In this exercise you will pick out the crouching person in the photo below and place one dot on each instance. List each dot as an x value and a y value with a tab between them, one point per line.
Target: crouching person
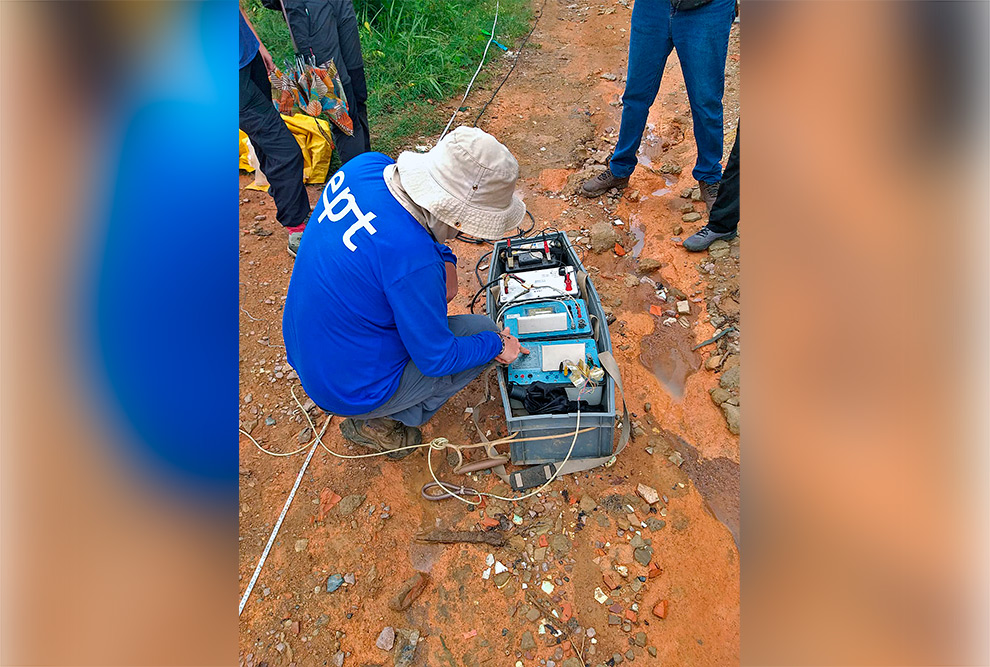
365	322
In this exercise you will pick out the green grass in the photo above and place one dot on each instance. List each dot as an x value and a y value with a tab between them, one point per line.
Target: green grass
416	53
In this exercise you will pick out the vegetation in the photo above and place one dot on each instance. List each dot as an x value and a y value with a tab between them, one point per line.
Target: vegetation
416	52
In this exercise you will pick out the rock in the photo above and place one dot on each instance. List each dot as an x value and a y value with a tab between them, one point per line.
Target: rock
587	504
338	659
631	280
501	579
603	237
613	619
648	265
718	249
686	193
730	379
696	195
348	504
411	589
334	581
259	218
648	494
654	524
527	643
731	413
683	307
608	76
652	650
247	399
640	639
712	362
572	662
533	615
386	640
678	230
304	436
719	395
633	196
405	651
660	610
301	545
643	555
561	545
693	216
349	579
676	459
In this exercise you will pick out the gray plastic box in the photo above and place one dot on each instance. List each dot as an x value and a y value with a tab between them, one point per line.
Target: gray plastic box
592	444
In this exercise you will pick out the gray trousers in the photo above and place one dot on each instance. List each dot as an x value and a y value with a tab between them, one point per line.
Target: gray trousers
418	397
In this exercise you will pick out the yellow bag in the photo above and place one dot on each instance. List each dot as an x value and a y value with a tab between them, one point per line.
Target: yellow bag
316	150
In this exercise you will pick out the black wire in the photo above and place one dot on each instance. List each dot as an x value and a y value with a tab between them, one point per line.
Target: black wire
514	63
461	236
478	293
478	265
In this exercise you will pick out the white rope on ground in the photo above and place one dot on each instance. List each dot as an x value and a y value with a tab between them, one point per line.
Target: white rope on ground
482	62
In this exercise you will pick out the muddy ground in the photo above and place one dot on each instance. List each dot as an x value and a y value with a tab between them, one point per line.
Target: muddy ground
590	533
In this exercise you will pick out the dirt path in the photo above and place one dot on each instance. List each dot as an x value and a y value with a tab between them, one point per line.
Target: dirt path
556	115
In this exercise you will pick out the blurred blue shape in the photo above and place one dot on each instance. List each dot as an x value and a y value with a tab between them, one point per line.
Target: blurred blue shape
161	289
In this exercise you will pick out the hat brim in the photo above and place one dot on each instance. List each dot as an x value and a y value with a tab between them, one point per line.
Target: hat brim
485	223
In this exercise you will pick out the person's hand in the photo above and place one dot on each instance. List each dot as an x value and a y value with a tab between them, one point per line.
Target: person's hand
266	58
513	348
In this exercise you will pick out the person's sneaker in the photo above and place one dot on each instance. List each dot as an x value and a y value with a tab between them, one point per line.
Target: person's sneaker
703	238
295	238
709	191
382	435
603	182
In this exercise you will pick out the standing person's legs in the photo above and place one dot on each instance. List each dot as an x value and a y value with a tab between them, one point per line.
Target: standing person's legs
701	37
357	95
649	45
724	218
278	152
418	397
725	213
359	142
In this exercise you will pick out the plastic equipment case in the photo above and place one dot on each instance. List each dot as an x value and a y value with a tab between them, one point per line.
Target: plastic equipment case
591	444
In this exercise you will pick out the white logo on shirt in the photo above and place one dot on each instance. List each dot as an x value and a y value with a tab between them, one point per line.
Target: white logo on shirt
340	206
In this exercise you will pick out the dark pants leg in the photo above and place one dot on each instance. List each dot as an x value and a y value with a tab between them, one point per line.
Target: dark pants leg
701	37
419	397
360	142
724	217
278	152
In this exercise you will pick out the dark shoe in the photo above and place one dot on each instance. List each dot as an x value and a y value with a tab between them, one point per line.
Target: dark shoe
382	435
703	238
603	182
295	238
709	191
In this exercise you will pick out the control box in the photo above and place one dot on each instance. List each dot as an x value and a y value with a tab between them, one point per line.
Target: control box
538	284
566	318
545	360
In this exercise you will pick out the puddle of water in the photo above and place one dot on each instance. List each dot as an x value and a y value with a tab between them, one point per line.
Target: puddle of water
668	355
639	233
662	191
669	180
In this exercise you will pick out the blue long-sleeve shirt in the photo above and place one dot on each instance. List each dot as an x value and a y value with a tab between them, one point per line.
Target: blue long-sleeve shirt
368	295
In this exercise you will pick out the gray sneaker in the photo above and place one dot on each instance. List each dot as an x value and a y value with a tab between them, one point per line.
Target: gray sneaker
295	238
703	238
603	182
709	191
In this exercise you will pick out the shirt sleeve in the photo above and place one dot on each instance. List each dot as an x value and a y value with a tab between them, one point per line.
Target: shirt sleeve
448	255
419	305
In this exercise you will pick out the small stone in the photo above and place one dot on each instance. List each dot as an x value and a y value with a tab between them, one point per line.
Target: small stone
587	504
386	640
616	658
712	362
660	610
683	307
643	555
696	195
571	662
640	639
527	642
259	218
560	544
334	581
603	237
349	579
301	545
676	459
501	579
648	494
686	193
348	504
678	230
630	656
719	395
411	589
652	650
648	265
338	659
533	615
304	436
247	399
693	216
613	619
730	379
405	651
731	413
608	76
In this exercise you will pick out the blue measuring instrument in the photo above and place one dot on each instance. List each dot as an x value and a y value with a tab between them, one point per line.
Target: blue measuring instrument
566	318
543	363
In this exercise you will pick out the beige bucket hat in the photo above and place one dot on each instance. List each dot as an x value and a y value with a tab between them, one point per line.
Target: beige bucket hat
468	181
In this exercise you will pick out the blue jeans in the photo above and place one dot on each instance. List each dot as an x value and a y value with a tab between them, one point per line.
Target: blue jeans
419	396
701	37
